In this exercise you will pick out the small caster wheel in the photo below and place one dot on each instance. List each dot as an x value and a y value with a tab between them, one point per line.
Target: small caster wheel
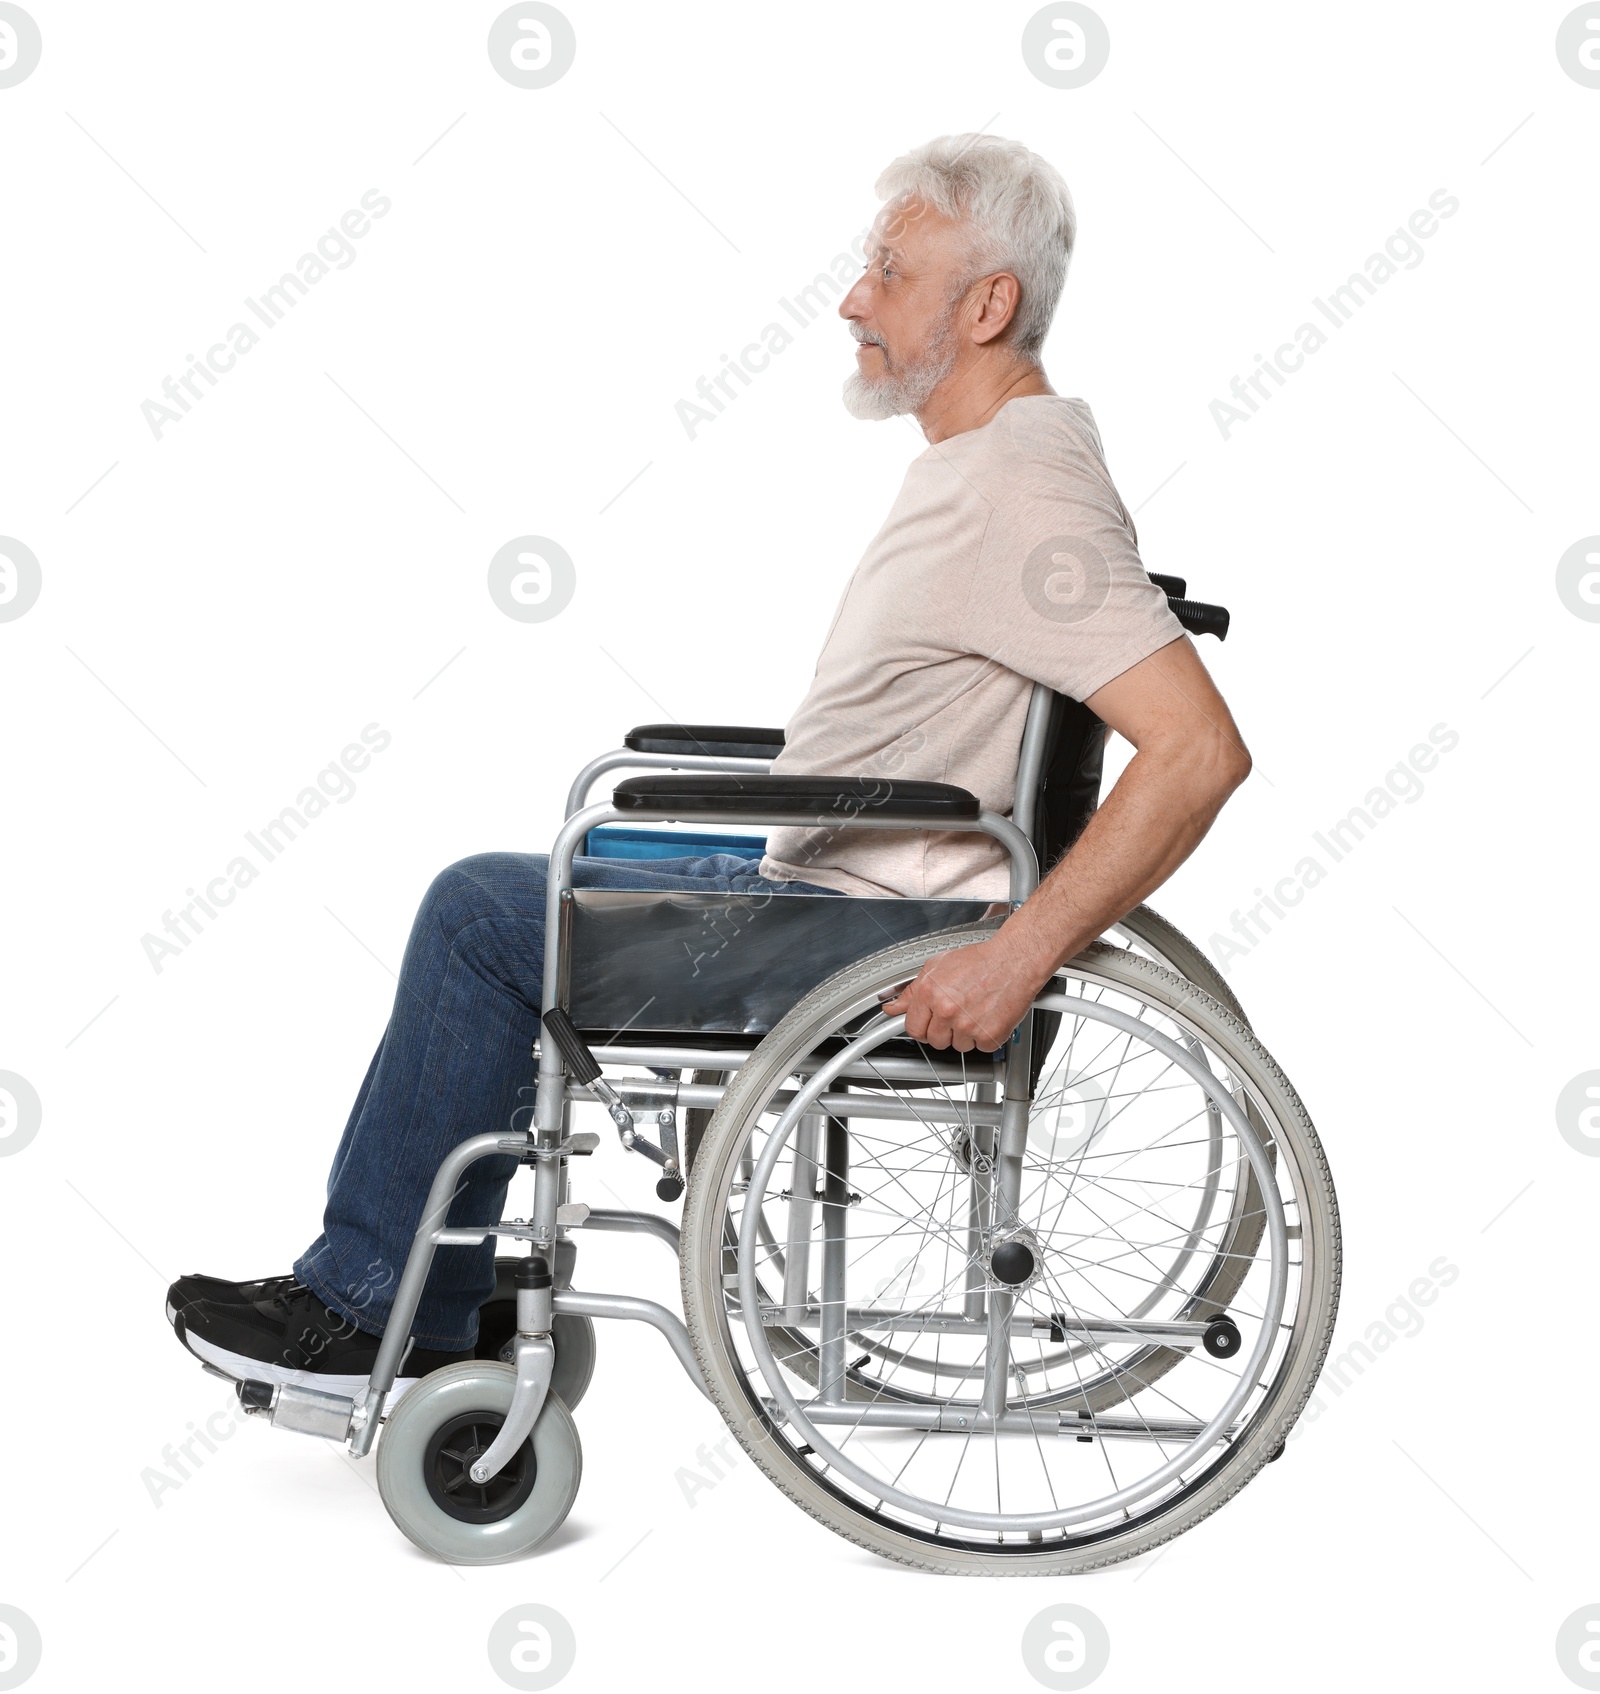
574	1339
426	1452
1222	1339
573	1336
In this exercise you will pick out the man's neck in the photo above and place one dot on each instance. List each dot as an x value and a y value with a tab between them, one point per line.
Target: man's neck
970	398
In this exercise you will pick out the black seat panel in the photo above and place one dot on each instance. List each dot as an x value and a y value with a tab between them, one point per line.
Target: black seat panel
679	962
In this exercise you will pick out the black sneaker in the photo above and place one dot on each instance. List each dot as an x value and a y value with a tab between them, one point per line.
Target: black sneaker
293	1336
190	1290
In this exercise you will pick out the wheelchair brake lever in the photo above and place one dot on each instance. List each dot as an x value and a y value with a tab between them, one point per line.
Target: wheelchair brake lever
585	1070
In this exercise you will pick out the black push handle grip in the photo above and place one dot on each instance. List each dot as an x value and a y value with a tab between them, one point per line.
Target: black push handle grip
1200	619
1174	587
582	1065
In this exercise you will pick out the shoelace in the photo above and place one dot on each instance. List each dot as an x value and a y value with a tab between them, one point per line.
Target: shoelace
286	1299
294	1305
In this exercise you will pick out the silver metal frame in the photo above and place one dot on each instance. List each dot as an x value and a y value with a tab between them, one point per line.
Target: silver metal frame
624	758
812	1113
548	1146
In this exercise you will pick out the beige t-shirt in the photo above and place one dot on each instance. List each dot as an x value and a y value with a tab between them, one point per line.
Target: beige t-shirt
1007	559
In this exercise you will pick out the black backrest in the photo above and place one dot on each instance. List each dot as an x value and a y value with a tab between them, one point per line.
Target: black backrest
1068	792
1075	742
1069	788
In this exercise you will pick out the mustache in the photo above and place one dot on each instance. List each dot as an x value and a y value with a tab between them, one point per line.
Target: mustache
866	338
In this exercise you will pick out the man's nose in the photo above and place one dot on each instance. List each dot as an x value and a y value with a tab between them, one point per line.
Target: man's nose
853	308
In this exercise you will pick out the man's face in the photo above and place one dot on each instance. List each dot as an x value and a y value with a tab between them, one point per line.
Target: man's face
904	309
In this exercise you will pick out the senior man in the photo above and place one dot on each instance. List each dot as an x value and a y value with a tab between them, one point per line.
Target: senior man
1007	559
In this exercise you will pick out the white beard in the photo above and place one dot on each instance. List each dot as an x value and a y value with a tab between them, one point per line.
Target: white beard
907	390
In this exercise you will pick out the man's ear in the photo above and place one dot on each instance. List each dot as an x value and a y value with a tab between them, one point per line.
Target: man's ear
998	297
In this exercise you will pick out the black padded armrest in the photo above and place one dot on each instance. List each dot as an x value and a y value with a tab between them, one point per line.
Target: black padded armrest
713	740
798	799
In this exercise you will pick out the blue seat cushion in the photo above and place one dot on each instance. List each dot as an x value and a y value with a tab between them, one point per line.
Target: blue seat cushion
610	842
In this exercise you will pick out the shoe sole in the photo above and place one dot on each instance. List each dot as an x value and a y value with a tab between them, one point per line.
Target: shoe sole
242	1368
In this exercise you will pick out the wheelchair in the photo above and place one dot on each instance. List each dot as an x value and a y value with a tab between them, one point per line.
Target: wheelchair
1026	1312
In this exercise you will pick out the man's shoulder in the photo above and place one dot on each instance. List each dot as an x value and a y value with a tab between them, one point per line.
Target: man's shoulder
1045	449
1056	430
1047	432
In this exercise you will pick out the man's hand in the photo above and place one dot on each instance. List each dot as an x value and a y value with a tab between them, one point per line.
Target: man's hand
970	997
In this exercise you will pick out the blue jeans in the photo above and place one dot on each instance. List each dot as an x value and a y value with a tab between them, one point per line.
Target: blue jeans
455	1062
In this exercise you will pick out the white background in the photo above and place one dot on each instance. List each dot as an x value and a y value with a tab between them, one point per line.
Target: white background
230	604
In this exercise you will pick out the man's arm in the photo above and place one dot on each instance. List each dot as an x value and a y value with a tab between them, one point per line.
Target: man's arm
1188	760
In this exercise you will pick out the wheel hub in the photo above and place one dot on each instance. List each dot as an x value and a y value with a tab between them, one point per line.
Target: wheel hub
447	1469
1013	1259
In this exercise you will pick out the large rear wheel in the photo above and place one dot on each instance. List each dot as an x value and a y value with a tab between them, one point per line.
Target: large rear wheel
1016	1336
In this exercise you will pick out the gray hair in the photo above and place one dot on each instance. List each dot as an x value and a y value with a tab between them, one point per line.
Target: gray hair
1018	207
